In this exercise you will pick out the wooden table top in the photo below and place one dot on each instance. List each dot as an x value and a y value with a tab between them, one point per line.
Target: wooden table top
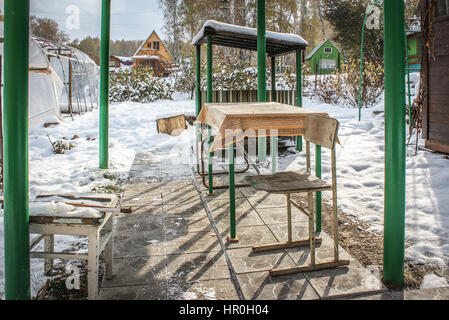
235	121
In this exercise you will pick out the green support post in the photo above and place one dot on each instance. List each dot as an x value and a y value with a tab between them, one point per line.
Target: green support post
233	233
274	140
16	214
104	83
261	69
299	91
318	194
209	100
198	90
395	156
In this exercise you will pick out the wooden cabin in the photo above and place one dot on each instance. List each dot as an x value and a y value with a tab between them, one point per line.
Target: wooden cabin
154	54
414	50
435	74
117	62
325	58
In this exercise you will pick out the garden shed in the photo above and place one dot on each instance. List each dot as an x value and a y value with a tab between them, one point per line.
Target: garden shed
325	58
435	74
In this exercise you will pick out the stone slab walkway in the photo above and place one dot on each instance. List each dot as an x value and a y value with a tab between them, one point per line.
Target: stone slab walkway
174	245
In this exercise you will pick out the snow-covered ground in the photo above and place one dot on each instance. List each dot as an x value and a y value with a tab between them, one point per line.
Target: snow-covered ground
360	165
132	128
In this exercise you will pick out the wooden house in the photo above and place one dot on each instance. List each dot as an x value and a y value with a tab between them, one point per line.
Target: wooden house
435	74
325	58
153	54
414	50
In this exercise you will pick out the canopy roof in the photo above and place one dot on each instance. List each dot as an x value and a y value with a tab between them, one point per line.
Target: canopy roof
230	35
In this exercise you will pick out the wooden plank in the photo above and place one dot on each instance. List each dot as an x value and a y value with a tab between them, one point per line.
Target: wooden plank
321	131
173	126
285	245
309	268
437	146
288	182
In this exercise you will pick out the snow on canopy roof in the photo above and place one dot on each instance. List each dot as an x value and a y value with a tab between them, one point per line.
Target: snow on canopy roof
230	35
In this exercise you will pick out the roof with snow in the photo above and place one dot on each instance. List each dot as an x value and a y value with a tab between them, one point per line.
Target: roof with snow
230	35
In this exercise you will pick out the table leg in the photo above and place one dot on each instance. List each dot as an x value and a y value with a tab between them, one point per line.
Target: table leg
274	153
299	143
211	175
318	194
233	235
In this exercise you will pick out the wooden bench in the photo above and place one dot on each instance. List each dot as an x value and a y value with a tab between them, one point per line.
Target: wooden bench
96	225
321	131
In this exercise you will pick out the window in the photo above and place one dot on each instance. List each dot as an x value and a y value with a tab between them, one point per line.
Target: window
149	45
112	63
328	50
442	9
156	45
327	64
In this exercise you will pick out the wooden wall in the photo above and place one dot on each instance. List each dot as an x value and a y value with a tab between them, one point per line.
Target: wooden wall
435	74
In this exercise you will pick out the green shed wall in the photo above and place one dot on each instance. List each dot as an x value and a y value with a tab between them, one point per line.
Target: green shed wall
314	61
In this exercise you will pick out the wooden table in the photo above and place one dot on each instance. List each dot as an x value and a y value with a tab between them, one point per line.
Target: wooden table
236	121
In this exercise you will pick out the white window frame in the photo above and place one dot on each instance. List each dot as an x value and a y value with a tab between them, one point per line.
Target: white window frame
328	64
330	50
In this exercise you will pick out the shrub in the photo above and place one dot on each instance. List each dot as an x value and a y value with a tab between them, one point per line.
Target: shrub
139	85
344	88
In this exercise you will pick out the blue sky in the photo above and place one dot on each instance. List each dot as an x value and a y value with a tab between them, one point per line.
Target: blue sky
130	20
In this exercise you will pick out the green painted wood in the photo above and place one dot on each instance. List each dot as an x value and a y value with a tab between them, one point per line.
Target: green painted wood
319	53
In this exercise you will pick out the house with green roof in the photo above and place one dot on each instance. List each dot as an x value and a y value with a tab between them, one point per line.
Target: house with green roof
325	58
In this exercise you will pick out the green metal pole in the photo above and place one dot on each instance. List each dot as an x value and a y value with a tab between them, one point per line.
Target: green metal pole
394	220
198	80
299	90
261	68
408	80
318	194
104	83
209	100
274	139
198	89
233	235
16	214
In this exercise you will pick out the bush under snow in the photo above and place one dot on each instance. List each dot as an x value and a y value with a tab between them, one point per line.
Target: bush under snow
138	85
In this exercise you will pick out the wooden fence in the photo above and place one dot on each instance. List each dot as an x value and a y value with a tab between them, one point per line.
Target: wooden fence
229	96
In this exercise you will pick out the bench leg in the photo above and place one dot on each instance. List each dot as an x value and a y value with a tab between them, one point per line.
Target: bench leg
92	264
109	250
49	242
311	229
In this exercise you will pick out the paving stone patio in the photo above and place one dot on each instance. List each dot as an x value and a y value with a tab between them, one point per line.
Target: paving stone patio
168	247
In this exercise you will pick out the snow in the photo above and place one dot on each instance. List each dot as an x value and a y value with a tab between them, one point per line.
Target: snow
433	281
132	129
226	27
360	167
61	210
